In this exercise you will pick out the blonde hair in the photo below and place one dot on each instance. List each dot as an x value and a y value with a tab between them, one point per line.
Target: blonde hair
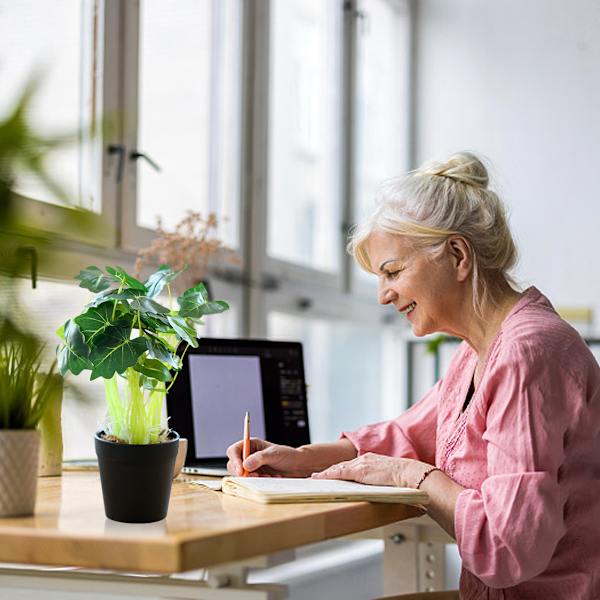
440	200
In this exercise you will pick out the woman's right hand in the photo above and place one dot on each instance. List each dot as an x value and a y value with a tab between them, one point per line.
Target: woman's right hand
267	459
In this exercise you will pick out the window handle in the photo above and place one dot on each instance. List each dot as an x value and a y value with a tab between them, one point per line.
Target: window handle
31	252
119	150
135	155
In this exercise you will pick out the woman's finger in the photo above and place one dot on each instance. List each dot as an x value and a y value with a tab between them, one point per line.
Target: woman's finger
343	470
258	459
235	450
234	468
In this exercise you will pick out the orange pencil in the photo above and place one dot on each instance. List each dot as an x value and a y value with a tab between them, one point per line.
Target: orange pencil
246	448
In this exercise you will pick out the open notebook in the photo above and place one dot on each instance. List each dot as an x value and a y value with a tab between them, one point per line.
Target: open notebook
287	490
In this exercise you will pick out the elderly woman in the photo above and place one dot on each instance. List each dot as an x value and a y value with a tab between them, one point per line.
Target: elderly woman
507	444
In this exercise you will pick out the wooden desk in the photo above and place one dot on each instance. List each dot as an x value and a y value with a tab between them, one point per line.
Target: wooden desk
203	528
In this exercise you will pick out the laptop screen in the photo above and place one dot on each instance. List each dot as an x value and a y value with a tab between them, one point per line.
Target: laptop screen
223	387
222	379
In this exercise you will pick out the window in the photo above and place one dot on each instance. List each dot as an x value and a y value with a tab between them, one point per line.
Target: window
188	113
51	42
351	371
304	203
382	97
282	117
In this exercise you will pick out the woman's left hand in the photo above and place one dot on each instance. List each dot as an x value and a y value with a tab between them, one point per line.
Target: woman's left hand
377	469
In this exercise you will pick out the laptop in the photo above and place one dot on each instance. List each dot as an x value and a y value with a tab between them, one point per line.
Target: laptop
221	380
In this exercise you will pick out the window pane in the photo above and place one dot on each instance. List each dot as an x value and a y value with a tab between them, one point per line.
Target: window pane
304	133
381	117
53	39
189	111
353	372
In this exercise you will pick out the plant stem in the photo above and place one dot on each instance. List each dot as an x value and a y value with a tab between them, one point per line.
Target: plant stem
136	414
177	372
116	413
116	302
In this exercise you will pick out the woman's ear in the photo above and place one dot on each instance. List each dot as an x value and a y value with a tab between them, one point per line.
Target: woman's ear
461	257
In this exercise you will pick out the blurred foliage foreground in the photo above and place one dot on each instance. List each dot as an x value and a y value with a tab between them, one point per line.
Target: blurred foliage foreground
23	151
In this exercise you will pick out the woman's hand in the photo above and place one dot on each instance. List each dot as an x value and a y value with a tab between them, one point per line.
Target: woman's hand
284	461
266	459
376	469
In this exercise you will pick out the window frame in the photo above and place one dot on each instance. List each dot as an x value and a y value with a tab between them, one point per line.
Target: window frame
263	280
260	284
133	236
53	219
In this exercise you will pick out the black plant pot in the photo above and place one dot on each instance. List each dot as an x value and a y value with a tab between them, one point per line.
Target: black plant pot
136	478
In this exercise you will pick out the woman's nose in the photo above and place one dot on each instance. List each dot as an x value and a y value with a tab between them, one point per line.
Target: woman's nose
385	295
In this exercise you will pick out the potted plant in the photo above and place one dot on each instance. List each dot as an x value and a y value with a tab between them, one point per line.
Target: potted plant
25	394
128	338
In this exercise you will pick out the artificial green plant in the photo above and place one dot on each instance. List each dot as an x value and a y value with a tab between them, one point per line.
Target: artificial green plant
126	336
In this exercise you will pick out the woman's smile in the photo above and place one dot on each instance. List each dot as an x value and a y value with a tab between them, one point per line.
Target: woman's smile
408	308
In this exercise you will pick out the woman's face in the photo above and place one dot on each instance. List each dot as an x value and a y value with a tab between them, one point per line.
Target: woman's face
424	287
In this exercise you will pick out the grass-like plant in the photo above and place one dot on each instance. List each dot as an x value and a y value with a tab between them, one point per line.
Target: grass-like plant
127	337
25	390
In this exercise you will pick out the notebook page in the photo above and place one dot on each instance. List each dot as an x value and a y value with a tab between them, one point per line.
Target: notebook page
308	486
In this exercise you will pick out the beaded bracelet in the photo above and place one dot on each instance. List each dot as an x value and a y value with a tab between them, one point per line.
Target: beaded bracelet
424	476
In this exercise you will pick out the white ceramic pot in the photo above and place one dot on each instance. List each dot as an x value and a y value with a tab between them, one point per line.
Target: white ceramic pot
19	455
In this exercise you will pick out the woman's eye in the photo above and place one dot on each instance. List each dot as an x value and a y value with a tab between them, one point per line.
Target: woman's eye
392	274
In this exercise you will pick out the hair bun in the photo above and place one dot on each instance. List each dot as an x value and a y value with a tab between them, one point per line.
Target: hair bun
463	167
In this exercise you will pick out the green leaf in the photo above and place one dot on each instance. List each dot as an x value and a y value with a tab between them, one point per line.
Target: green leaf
97	320
93	279
198	293
125	279
150	384
158	350
210	308
184	330
157	323
115	352
157	281
127	294
60	332
150	367
194	303
74	354
147	305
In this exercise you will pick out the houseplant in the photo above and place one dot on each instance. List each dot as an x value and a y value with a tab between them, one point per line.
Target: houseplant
24	398
128	338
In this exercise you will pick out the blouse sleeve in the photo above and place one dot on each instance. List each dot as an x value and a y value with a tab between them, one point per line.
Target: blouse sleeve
507	532
411	435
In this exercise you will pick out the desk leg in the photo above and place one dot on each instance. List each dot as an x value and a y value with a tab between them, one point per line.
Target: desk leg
411	564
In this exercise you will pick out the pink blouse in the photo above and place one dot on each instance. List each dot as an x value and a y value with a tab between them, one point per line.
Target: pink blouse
527	448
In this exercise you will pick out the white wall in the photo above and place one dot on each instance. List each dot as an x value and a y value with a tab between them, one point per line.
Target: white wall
519	81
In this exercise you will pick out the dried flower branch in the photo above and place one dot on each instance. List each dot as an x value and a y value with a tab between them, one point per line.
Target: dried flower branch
192	243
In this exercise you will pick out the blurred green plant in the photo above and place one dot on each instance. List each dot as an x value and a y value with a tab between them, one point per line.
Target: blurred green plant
124	331
435	342
22	151
24	391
